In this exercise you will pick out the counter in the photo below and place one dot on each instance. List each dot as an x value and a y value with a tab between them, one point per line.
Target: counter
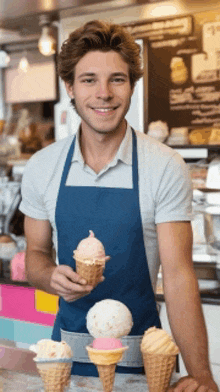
211	297
207	296
33	383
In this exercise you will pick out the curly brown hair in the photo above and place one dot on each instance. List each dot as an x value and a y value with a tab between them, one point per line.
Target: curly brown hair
103	36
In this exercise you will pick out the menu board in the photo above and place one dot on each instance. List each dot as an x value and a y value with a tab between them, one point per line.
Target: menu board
183	79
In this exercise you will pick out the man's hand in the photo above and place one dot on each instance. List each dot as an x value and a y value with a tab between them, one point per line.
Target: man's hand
190	384
68	284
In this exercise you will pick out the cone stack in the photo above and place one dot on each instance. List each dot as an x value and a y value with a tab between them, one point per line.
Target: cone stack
158	370
105	361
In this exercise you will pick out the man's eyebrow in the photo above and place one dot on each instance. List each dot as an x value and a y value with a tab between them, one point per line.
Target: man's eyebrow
86	74
92	74
120	74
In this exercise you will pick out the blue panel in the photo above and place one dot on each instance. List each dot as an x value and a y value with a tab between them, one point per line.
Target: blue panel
30	333
6	329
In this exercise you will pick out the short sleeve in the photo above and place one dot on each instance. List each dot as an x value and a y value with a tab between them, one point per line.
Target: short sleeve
174	194
32	203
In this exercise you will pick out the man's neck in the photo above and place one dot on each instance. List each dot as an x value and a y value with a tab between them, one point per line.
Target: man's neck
98	149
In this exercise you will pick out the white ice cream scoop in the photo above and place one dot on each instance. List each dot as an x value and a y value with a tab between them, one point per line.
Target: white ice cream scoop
109	318
49	349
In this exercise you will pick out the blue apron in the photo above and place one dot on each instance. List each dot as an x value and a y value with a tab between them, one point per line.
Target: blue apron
114	216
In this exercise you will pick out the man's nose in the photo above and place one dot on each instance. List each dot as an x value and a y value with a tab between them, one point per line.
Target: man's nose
104	91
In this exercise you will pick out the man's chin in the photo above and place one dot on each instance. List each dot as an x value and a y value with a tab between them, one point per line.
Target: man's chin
109	131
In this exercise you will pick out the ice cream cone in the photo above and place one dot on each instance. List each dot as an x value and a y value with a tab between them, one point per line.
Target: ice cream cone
105	361
91	272
55	375
107	376
158	370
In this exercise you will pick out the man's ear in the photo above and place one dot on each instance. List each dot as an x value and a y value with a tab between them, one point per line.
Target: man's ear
69	90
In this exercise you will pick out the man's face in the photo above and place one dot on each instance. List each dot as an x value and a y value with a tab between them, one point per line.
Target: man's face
102	91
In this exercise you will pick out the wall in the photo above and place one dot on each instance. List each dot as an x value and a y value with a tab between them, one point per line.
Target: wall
26	314
131	14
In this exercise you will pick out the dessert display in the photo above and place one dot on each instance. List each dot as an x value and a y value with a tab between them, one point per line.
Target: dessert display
8	247
108	320
178	136
200	136
179	72
90	259
158	130
54	362
214	137
17	267
159	355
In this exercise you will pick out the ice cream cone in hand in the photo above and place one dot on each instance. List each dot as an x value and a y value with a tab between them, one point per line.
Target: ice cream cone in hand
105	353
54	362
90	259
159	355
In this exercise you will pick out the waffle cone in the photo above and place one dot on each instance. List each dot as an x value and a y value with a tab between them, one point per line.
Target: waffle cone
105	357
158	370
105	361
56	376
107	376
91	272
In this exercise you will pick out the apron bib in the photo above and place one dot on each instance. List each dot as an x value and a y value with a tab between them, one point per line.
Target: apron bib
113	214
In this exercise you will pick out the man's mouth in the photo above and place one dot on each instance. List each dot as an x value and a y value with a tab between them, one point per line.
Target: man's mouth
105	110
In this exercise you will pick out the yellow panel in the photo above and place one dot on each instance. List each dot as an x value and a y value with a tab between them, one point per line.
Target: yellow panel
45	302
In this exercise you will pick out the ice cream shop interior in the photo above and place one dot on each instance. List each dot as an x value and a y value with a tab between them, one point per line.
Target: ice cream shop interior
177	101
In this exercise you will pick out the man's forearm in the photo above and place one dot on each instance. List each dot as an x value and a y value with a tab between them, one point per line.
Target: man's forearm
187	322
39	268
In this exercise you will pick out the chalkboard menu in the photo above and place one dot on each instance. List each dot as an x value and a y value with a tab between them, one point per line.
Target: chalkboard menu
182	82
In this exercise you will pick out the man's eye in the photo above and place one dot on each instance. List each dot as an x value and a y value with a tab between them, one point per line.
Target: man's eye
118	80
89	81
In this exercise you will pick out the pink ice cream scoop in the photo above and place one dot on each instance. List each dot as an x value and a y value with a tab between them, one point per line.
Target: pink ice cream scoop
106	343
90	250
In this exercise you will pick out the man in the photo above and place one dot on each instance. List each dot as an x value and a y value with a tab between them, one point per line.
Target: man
132	191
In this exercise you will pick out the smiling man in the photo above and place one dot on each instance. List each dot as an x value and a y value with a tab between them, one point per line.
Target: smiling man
132	191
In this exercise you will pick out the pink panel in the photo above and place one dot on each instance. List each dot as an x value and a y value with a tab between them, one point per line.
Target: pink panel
19	303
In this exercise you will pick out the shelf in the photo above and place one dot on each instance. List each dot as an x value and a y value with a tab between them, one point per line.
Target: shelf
14	282
193	146
200	151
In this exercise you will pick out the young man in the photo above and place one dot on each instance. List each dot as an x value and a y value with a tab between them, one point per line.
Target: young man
132	191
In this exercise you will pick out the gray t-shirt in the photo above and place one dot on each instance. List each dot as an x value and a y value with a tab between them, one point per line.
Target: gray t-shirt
164	184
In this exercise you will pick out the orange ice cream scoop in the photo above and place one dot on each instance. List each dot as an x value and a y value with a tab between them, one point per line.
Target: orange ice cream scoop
158	341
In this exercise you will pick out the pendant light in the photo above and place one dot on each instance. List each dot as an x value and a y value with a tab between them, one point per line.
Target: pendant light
23	63
47	42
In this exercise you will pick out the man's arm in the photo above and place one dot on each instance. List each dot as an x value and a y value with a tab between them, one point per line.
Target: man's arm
42	271
183	300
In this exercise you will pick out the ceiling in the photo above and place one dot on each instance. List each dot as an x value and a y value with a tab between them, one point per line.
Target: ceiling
19	20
